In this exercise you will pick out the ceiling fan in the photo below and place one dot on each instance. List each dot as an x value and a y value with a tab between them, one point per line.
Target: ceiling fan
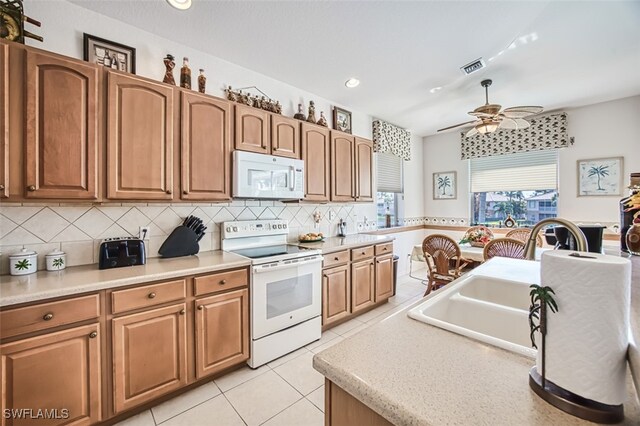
489	117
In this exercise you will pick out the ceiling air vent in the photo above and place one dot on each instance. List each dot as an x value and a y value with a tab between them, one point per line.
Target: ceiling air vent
472	67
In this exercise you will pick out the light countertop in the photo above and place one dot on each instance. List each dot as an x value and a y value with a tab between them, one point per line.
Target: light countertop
333	244
413	373
83	279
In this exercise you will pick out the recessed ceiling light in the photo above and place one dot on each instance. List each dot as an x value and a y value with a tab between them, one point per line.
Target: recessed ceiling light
180	4
352	82
435	89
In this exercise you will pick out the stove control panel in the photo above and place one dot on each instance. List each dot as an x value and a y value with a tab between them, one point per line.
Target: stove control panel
254	228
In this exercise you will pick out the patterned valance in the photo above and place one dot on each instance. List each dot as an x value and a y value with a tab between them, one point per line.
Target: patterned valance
546	132
393	139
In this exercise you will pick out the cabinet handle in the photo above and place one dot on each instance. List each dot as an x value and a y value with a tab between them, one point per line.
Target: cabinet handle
182	312
168	191
48	317
151	295
200	307
93	334
223	282
31	188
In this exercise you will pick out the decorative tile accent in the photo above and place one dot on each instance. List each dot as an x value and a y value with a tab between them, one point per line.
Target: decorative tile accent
45	224
93	223
19	214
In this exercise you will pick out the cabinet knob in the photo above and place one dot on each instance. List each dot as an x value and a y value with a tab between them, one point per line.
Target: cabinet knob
1	187
363	253
168	191
336	258
200	307
31	188
93	334
151	295
185	192
48	317
182	312
223	282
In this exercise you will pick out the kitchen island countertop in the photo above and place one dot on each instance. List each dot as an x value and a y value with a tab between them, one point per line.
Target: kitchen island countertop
82	279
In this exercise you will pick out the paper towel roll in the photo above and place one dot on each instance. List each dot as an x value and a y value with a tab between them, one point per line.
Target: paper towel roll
587	339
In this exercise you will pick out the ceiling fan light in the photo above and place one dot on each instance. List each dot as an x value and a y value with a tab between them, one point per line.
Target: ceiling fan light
487	127
180	4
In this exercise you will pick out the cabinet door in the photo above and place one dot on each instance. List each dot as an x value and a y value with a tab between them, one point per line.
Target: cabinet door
4	120
139	139
55	371
205	143
149	355
342	163
362	285
336	294
252	130
315	143
62	142
384	277
285	136
222	331
364	170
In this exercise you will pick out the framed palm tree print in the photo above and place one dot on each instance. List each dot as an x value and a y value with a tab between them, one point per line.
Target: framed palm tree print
444	186
600	176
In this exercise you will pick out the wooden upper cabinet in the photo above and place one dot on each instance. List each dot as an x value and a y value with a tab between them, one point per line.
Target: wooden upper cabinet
222	331
54	371
364	170
149	355
252	130
362	285
336	294
342	167
384	277
285	136
62	127
139	138
315	142
4	120
205	142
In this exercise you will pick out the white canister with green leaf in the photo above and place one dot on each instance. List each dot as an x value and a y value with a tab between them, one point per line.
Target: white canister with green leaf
24	262
56	260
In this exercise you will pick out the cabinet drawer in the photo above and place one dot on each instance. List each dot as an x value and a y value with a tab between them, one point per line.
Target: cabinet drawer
42	316
148	295
221	281
382	249
362	253
337	258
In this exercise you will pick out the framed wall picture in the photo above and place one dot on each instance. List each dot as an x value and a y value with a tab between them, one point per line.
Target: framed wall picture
600	176
342	120
109	54
445	186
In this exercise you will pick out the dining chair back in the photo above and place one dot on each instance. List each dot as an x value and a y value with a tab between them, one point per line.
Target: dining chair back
440	252
523	234
504	247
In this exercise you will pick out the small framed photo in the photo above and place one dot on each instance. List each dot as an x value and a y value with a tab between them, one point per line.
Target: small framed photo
600	176
342	120
109	54
444	186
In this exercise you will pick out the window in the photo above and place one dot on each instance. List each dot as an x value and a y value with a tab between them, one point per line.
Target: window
390	188
523	186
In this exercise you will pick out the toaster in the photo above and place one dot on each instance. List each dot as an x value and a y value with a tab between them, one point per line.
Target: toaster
118	252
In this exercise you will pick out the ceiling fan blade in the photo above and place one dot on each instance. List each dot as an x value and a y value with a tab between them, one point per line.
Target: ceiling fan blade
480	114
522	111
522	124
471	132
507	123
457	125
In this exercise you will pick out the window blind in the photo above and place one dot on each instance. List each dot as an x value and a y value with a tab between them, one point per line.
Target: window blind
523	171
389	173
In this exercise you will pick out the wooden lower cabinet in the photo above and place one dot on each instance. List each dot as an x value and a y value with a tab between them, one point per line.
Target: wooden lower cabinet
222	331
149	355
362	285
58	370
343	409
384	277
336	294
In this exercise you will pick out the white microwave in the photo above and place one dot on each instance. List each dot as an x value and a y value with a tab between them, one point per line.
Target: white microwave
267	176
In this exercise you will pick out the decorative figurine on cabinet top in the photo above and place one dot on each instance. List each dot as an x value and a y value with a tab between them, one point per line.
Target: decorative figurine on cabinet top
323	120
312	112
300	115
170	64
202	81
185	74
231	95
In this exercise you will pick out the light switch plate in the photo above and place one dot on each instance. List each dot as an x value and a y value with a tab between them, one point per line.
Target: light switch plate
332	215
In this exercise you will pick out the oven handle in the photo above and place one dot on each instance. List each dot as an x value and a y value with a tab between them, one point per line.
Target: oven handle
281	265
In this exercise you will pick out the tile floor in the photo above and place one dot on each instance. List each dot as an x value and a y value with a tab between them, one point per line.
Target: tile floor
285	392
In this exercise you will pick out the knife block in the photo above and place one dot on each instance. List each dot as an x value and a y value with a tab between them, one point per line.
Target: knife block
181	242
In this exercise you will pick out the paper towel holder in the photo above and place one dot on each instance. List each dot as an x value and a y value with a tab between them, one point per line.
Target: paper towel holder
574	404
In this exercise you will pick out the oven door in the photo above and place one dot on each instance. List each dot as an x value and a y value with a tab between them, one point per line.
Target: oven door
285	294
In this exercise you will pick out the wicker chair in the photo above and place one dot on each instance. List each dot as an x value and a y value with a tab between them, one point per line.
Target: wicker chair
504	247
439	250
522	234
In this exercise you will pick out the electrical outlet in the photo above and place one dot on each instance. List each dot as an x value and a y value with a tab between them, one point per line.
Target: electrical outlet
332	215
143	233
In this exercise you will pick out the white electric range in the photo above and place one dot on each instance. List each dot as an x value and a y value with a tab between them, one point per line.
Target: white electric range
286	287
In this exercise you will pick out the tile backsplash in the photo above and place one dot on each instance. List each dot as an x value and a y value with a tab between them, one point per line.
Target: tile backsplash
78	229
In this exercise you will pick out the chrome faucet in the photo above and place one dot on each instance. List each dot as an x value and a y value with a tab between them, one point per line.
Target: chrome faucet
530	246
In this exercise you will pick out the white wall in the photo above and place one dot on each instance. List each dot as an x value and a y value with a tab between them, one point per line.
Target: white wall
608	129
413	176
